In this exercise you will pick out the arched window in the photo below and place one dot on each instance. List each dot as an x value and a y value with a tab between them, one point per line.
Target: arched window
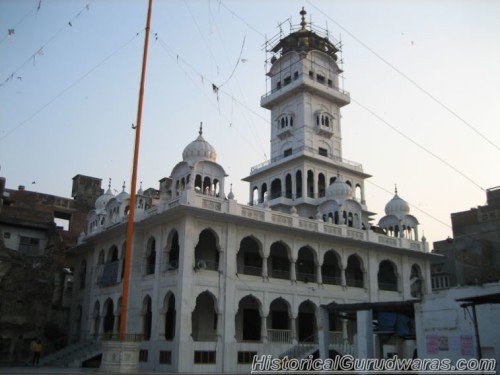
109	317
248	320
306	322
248	259
298	184
321	185
206	185
276	188
255	196
416	281
204	318
170	318
113	254
173	253
353	272
206	252
288	186
197	183
330	268
387	276
263	193
306	270
278	261
147	318
151	256
310	184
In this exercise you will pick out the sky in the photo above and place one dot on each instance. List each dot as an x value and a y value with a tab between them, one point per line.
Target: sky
70	70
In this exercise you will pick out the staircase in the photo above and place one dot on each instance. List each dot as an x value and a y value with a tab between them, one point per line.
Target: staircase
302	349
310	345
72	355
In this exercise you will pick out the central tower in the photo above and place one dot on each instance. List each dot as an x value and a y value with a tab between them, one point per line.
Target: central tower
306	138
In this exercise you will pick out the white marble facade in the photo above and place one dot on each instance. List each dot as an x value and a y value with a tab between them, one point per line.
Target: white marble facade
214	281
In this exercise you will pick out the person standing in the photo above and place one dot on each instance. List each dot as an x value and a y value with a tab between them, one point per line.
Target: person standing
37	351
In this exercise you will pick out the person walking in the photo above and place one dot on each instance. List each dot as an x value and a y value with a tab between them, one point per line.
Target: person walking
37	351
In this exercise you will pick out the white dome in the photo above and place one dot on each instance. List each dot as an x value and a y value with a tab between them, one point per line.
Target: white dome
339	191
199	149
122	195
397	207
102	201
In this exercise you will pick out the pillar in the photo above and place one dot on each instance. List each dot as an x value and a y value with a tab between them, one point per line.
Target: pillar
263	329
364	320
319	277
116	324
264	268
293	328
323	334
343	280
293	275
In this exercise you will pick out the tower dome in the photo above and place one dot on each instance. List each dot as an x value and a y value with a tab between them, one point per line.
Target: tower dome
397	206
339	191
102	201
199	149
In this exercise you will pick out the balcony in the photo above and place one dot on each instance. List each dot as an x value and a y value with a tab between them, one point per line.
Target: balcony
306	150
318	86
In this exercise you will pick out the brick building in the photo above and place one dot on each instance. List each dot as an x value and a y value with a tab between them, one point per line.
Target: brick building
472	256
35	276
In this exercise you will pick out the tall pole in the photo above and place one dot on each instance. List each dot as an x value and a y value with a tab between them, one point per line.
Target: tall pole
133	186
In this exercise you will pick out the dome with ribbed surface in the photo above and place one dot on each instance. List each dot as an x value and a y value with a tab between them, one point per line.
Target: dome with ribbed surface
339	191
397	206
102	201
199	149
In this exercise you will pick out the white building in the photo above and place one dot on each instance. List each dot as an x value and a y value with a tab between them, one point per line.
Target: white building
213	281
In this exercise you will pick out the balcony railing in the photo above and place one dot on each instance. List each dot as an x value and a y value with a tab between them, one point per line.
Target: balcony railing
279	335
249	270
354	283
310	150
204	264
392	287
306	277
279	274
332	280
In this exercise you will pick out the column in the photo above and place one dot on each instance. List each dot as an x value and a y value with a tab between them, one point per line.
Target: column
294	185
116	324
319	277
293	275
315	185
160	333
293	328
323	334
264	268
343	280
364	321
263	329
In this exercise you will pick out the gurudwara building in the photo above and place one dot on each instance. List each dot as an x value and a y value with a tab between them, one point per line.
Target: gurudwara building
214	281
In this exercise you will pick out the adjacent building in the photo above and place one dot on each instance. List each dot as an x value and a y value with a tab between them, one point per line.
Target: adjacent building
472	256
35	276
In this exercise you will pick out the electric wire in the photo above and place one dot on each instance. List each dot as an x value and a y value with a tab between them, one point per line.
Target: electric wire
14	27
408	78
69	87
40	50
417	144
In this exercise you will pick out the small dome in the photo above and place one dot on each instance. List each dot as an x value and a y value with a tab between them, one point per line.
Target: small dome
199	149
339	191
397	206
123	194
102	201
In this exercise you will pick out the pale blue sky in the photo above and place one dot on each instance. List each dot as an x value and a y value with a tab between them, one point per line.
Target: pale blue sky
451	48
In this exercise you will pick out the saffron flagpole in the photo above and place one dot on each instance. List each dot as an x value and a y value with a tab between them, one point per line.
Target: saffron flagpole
133	185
